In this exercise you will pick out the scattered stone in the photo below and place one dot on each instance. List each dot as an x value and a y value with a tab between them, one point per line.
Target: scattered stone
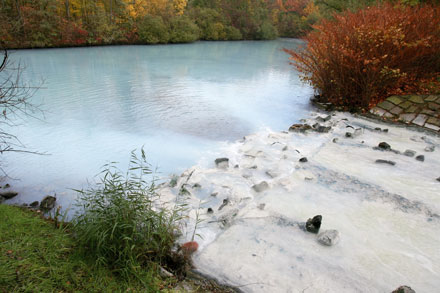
313	225
222	163
236	166
210	211
395	100
404	289
323	129
420	158
323	119
300	128
348	134
253	167
416	99
48	203
409	153
34	204
386	105
7	185
430	149
335	140
303	160
225	202
384	146
285	148
328	237
260	187
438	179
8	194
261	206
378	129
385	130
214	194
407	117
197	185
380	161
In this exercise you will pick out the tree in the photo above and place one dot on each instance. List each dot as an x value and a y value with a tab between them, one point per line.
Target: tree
15	98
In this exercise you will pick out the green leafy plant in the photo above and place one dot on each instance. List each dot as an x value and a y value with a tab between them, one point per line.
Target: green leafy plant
122	221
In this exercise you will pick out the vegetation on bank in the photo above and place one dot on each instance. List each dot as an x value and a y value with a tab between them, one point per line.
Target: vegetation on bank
357	59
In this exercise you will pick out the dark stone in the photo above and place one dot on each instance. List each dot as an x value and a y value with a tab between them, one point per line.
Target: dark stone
34	204
313	225
385	162
214	194
348	134
260	187
438	179
404	289
6	185
384	146
385	130
48	203
323	119
197	185
323	129
210	211
222	162
8	194
285	148
300	128
420	158
225	202
409	153
303	160
236	166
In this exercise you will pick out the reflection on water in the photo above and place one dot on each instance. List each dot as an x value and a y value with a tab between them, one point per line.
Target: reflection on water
181	102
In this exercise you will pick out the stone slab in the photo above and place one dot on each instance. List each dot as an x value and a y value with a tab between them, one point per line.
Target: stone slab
395	100
430	98
433	121
412	109
396	110
378	111
433	127
416	99
386	105
407	117
434	106
405	105
420	119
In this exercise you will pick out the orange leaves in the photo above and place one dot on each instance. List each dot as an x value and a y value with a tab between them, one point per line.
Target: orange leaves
360	57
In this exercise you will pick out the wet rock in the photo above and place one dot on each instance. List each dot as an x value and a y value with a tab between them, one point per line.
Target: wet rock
300	128
420	158
380	161
348	135
303	160
260	187
404	289
328	237
323	129
210	211
384	146
225	203
285	148
313	225
7	185
335	140
197	185
385	130
214	194
409	153
438	179
34	204
324	118
48	203
222	163
8	194
236	166
430	149
261	206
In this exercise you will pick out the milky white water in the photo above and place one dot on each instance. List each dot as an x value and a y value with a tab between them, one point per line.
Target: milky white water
181	102
388	216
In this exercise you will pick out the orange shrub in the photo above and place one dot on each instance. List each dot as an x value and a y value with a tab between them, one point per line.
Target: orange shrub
358	58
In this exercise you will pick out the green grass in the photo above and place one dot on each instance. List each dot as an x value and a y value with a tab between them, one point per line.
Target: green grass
37	257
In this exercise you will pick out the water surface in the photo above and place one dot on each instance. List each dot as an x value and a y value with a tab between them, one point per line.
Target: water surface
181	102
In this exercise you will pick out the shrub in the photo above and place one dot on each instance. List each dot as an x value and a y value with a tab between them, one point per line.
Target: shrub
152	30
267	31
359	58
122	222
183	30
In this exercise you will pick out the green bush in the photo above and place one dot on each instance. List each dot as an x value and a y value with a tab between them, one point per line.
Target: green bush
183	30
152	30
267	31
233	34
121	221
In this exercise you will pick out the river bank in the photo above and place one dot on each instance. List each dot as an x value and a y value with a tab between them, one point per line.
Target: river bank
374	183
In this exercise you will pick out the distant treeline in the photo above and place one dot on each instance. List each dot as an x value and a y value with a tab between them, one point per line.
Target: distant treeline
56	23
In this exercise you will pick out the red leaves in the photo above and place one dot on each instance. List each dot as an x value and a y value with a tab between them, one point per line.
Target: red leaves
359	58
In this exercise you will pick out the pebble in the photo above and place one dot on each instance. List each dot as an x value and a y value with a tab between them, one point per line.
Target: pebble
313	225
260	187
438	179
409	153
384	146
303	160
430	149
328	237
348	134
404	289
380	161
210	211
222	163
420	158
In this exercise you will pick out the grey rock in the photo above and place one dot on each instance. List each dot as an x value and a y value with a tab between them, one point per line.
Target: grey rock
272	174
214	194
260	187
8	194
300	128
261	206
7	185
335	140
409	153
384	146
303	160
438	179
222	163
210	211
328	237
430	149
48	203
420	158
285	148
323	119
348	134
34	204
313	225
380	161
197	185
323	129
404	289
225	203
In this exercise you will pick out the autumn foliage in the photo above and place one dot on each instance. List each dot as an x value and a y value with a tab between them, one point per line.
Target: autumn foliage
359	58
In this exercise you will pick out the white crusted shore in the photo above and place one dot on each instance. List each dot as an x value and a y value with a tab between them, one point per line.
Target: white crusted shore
386	213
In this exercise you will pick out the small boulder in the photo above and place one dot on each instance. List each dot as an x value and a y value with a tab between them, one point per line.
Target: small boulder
384	146
303	160
438	179
300	128
404	289
420	158
7	185
328	237
34	204
348	134
260	187
323	129
380	161
48	203
313	225
323	118
210	211
409	153
222	163
8	194
430	149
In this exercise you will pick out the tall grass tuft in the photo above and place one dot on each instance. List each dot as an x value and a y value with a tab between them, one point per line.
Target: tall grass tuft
122	223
